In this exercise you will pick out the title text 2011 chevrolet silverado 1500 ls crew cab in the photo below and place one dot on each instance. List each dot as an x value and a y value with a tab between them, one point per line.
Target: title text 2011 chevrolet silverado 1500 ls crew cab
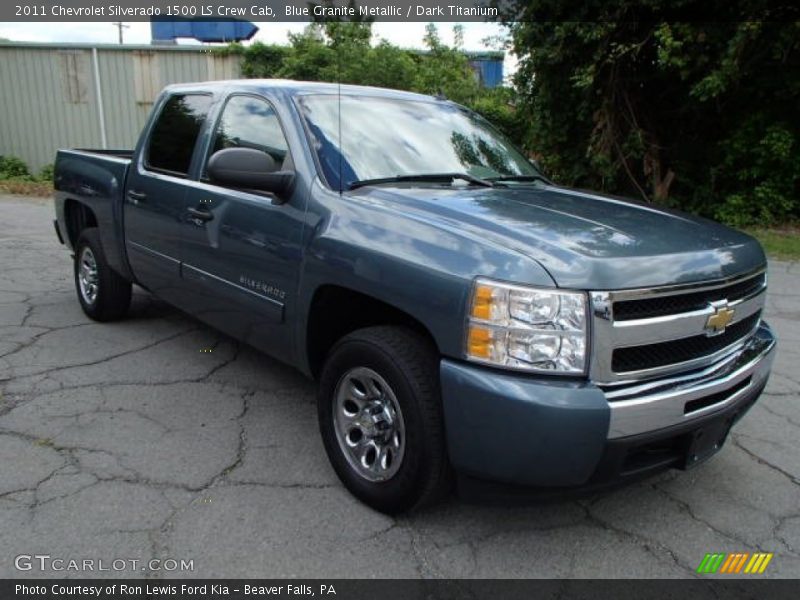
460	313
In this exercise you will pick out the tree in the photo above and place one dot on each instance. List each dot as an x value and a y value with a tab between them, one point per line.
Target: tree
700	115
443	70
344	52
263	61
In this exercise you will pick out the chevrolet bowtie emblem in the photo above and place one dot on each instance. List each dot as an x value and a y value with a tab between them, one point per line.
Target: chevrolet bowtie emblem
720	319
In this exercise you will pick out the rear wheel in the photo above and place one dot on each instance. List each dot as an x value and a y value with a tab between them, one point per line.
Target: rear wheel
103	294
380	416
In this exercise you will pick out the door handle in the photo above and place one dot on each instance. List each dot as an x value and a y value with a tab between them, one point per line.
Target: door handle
200	214
136	197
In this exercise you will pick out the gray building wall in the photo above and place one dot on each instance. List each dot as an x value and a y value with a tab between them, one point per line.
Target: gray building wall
49	99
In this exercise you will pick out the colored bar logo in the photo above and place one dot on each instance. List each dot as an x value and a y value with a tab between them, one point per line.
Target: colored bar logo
735	563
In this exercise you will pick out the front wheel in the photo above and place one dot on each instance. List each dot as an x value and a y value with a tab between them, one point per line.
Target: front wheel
380	415
103	294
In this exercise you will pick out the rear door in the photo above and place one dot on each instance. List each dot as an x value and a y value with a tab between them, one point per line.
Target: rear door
156	189
243	251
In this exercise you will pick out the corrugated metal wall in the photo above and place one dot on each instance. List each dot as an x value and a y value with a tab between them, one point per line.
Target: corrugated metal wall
48	96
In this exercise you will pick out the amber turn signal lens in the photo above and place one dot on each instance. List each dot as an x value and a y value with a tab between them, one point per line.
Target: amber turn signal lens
482	302
526	328
479	342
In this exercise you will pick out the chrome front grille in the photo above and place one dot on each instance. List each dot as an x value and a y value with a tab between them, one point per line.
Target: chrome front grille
658	306
648	333
649	356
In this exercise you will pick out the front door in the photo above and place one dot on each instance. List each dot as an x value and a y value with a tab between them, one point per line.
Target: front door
155	194
243	248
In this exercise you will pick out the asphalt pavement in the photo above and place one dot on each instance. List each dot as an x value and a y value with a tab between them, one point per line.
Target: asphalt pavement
158	438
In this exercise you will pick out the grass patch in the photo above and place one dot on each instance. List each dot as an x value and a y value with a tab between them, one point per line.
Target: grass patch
26	188
779	242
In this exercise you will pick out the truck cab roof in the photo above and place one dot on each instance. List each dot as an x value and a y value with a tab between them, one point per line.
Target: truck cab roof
296	88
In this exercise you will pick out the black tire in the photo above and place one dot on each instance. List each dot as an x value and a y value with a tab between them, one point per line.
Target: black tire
113	293
410	365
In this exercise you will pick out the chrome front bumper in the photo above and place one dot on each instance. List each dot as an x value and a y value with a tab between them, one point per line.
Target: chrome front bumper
547	432
670	401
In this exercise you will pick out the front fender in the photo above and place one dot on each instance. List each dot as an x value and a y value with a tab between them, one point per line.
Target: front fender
421	268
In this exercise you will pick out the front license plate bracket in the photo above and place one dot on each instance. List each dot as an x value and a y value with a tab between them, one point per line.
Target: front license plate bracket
704	442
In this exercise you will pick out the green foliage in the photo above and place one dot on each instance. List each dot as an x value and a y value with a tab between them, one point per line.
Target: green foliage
16	178
698	115
764	161
46	173
497	105
263	61
308	57
445	71
344	52
13	167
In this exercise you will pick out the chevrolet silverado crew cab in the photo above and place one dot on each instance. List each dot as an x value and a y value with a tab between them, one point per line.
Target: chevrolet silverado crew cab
465	318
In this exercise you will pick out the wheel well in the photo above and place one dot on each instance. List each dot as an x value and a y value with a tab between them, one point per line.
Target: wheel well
337	311
78	217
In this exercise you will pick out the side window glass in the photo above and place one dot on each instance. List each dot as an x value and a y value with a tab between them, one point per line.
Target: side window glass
249	122
175	132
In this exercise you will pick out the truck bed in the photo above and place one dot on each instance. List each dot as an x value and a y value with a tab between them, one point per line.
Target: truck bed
94	178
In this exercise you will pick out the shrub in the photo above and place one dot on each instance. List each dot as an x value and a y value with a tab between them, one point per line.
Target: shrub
46	173
11	166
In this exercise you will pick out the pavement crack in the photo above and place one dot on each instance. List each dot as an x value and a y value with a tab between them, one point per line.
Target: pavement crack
241	449
280	486
223	364
52	370
775	413
761	460
686	508
776	533
644	543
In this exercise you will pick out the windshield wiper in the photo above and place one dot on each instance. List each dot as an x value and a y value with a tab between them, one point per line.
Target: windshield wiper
521	178
442	177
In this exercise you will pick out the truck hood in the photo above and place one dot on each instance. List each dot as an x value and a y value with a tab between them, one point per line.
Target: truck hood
583	240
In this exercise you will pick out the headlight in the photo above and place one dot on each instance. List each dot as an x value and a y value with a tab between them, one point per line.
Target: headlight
526	328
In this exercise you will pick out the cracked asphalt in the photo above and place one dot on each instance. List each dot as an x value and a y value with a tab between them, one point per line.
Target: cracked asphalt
132	440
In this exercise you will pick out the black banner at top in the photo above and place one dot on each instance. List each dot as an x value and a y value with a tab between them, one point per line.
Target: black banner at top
251	10
394	10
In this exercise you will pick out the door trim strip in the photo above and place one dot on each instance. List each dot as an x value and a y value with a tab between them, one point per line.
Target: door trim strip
236	286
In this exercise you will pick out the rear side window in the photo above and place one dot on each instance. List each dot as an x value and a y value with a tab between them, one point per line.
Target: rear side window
175	132
249	122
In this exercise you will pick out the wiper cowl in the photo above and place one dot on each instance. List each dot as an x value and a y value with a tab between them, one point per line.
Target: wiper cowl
519	178
422	177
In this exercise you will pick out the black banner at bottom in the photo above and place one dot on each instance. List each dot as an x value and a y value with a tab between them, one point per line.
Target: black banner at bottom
400	589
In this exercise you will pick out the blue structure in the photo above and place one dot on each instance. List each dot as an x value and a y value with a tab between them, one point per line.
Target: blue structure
488	67
204	31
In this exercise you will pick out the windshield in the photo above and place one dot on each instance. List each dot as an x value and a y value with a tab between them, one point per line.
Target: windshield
382	138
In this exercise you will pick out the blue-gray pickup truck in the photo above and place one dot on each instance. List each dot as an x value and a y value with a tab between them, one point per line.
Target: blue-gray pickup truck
466	319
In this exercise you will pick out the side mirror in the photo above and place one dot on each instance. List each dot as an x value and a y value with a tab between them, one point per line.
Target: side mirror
247	168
